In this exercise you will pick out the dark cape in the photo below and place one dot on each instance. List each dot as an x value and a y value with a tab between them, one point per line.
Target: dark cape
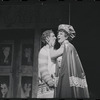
72	80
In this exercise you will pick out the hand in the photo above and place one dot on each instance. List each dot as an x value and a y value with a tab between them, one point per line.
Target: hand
51	84
56	81
62	45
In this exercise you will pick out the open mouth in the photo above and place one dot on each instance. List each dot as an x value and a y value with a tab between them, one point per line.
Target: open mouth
58	39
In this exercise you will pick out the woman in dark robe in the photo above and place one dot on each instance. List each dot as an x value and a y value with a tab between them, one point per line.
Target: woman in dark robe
72	79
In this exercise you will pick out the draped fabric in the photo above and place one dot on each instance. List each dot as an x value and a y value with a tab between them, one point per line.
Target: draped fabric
72	80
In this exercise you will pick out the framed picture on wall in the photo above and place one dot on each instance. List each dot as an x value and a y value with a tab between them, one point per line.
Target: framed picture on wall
5	54
26	87
4	86
27	54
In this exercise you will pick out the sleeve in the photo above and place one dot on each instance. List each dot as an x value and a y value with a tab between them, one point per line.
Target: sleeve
43	66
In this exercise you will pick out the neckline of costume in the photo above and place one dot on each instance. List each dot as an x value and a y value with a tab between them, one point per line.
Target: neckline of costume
66	41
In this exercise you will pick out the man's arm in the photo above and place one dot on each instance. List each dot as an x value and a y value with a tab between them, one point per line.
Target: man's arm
56	53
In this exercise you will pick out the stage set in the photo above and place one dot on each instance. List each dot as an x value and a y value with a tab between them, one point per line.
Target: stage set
21	26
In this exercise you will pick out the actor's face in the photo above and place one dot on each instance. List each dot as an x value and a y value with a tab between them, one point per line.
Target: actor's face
52	39
61	37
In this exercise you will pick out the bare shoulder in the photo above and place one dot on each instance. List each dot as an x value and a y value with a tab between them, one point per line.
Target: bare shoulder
42	51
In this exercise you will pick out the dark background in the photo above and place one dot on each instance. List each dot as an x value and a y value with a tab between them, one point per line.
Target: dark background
85	17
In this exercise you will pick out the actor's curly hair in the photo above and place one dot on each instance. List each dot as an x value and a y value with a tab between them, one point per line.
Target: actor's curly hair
45	34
